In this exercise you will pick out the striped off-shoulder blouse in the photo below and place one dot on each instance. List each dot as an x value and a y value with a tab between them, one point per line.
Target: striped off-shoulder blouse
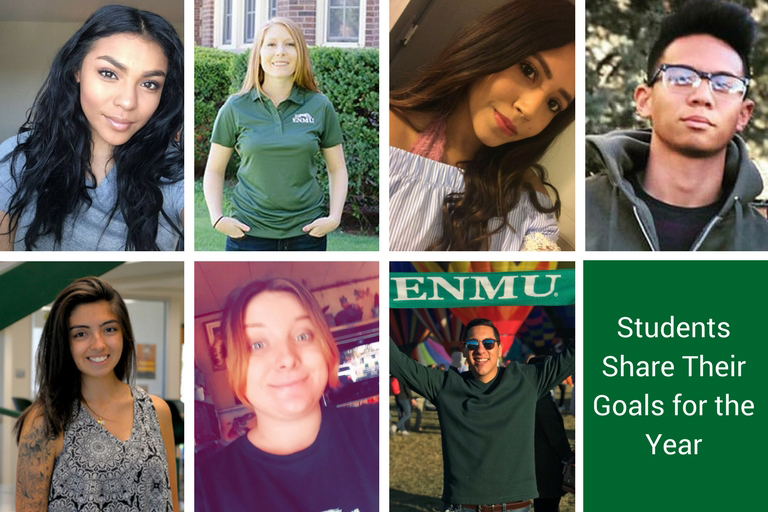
417	187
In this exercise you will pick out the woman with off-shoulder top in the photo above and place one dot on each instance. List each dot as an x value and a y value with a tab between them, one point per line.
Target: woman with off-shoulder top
467	134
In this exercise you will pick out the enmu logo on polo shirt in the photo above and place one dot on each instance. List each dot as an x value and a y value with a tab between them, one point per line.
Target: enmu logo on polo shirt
303	118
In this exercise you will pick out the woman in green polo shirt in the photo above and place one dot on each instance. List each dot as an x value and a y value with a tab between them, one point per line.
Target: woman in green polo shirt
277	123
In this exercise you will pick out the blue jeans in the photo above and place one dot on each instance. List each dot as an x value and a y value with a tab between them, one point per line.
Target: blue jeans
296	243
459	508
404	411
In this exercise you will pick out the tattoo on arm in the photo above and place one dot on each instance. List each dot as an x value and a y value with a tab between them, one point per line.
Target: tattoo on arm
33	470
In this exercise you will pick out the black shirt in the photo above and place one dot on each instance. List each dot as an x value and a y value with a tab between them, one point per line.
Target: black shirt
677	227
339	471
552	446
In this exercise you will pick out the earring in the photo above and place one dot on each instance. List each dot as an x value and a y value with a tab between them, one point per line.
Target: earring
325	403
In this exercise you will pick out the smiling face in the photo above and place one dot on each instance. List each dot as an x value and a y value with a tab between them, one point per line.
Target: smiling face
287	369
121	82
700	123
482	362
95	339
278	54
520	101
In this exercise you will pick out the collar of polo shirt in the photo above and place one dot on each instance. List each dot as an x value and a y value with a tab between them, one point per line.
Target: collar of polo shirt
298	95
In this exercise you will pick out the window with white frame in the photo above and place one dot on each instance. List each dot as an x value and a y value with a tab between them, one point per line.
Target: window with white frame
272	9
226	31
250	20
343	21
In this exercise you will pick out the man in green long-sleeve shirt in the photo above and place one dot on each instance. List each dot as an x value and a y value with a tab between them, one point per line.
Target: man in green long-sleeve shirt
487	419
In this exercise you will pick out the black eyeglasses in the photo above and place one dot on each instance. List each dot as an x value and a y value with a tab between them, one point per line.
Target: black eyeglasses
473	344
683	79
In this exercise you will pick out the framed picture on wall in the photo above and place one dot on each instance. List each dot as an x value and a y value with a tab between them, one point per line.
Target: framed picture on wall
146	356
234	422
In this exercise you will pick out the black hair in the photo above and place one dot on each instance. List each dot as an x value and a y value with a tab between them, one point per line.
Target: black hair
57	146
485	322
58	378
726	21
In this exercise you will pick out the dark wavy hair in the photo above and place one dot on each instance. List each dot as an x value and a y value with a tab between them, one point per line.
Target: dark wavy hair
58	379
495	178
57	149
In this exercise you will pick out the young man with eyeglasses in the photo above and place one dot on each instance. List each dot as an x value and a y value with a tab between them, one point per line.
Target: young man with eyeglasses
687	183
487	420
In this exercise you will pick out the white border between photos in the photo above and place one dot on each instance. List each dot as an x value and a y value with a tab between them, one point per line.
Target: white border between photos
189	257
188	356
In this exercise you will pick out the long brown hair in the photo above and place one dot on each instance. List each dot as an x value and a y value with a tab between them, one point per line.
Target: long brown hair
495	178
57	375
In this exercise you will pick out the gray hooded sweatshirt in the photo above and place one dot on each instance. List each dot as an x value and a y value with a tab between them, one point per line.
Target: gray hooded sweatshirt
618	220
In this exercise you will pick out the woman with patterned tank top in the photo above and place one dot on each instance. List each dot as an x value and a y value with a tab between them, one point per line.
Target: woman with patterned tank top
91	440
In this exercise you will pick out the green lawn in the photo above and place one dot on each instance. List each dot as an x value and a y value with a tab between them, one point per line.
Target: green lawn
207	239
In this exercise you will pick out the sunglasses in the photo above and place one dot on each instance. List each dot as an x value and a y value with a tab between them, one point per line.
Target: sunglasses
473	344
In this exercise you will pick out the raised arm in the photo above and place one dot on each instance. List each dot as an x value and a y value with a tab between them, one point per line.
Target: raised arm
166	428
555	369
213	188
425	381
34	465
337	186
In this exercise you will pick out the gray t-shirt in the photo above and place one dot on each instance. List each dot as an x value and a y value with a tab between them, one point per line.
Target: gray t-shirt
91	229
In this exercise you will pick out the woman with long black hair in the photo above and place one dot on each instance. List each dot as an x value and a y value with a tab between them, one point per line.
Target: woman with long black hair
467	133
91	440
98	164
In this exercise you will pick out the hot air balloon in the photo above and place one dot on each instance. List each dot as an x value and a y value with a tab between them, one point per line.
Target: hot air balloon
405	328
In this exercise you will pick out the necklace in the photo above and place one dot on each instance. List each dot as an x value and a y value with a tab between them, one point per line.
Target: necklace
100	421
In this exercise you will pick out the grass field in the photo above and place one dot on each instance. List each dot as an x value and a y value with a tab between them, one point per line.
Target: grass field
207	239
416	466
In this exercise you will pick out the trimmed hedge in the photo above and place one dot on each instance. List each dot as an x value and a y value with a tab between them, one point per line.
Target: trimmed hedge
350	79
213	71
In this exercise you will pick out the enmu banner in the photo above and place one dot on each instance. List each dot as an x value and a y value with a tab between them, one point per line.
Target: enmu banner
469	289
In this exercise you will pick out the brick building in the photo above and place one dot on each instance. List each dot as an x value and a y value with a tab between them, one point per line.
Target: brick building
232	24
